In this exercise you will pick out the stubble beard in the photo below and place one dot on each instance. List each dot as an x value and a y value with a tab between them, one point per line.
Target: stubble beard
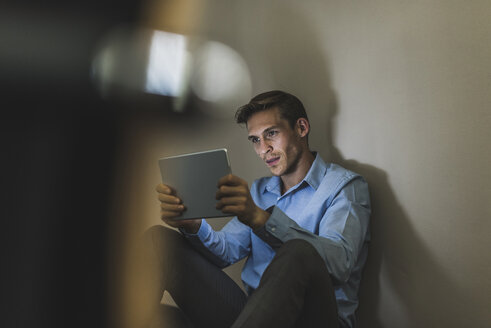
288	169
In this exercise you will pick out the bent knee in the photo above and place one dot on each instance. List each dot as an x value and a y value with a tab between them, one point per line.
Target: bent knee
159	237
300	251
159	231
297	246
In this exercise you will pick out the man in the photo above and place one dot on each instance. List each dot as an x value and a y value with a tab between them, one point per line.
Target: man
304	231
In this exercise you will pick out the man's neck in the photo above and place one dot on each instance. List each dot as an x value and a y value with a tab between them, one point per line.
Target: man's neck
303	166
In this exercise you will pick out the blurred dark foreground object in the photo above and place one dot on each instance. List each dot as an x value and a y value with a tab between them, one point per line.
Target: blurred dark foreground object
58	140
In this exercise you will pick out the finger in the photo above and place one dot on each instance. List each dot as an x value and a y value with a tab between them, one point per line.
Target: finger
172	207
176	223
165	189
173	223
230	191
230	201
232	209
167	215
164	198
230	180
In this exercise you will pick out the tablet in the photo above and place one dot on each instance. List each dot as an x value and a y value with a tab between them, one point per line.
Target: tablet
194	177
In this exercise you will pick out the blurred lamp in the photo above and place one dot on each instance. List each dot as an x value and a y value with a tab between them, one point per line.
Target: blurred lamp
172	65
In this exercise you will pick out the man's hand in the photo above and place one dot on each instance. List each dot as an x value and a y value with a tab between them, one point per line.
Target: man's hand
172	207
234	198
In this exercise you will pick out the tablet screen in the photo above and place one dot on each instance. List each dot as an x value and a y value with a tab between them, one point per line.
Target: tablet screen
195	177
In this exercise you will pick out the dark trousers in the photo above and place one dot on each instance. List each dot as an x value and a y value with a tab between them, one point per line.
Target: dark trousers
294	291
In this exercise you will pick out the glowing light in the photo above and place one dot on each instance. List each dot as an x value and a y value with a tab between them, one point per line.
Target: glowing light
220	73
166	70
172	65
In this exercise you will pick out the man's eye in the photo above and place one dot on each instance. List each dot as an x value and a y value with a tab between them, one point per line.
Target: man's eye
272	133
254	140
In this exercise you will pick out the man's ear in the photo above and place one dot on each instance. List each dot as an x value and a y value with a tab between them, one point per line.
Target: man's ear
303	127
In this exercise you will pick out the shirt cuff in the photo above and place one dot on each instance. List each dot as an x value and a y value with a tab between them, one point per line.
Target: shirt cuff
199	238
203	233
277	222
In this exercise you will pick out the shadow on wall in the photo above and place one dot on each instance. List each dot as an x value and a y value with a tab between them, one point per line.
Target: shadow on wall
401	277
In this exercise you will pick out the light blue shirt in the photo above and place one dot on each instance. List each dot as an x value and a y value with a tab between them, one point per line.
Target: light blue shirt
330	208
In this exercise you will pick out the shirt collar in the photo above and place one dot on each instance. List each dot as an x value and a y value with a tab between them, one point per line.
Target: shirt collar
273	185
313	177
316	173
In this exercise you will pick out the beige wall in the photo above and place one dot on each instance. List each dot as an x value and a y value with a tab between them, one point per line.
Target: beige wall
396	90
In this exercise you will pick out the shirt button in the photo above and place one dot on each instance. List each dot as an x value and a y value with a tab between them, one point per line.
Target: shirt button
273	229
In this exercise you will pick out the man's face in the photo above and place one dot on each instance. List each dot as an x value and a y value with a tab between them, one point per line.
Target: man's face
275	142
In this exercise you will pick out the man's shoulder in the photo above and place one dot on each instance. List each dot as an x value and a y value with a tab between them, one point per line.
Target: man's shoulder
336	170
337	176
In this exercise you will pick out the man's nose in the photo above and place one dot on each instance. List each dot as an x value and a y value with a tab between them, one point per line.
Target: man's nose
265	147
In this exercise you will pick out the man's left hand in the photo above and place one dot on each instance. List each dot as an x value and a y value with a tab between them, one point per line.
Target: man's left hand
234	198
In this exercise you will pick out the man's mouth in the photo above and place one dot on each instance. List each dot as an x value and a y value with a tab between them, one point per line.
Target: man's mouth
273	161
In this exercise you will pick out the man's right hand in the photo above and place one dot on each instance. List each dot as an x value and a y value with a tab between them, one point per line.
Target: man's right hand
172	207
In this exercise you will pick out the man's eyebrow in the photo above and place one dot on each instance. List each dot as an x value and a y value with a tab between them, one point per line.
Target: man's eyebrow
270	128
250	137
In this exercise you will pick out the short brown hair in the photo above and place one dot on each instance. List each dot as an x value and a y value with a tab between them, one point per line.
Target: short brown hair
290	107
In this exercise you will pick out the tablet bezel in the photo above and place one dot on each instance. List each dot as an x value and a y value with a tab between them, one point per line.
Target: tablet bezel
194	177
